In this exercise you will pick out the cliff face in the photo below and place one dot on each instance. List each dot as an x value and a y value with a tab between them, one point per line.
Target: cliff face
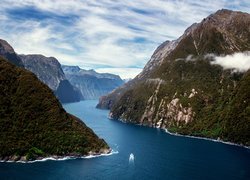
181	88
8	52
67	93
49	71
33	122
91	84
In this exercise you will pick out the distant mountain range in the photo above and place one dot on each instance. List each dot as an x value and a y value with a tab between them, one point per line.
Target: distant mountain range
49	71
91	84
184	89
69	83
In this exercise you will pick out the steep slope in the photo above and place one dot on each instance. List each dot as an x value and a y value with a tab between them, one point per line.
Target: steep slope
66	93
8	52
49	71
182	90
91	84
33	122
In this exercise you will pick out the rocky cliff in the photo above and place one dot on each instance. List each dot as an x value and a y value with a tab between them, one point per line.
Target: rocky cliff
8	52
49	71
67	93
33	123
182	89
91	84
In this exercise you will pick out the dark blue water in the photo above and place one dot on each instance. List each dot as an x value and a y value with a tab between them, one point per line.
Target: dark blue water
158	155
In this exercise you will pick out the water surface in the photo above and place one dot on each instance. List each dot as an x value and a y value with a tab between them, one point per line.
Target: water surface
156	155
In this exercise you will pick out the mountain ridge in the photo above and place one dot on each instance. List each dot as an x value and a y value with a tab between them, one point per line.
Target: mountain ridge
181	91
8	52
49	71
91	83
34	124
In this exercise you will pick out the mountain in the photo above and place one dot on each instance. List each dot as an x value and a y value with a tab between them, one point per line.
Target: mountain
33	123
49	71
8	52
91	84
183	90
67	93
127	80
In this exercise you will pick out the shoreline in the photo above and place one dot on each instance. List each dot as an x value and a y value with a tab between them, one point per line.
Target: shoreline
206	138
63	158
188	136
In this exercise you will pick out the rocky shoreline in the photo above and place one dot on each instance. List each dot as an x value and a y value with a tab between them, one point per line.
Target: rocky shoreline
183	135
23	159
208	139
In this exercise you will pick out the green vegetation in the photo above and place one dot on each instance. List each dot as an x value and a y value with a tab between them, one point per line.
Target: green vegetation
220	108
133	102
33	122
33	153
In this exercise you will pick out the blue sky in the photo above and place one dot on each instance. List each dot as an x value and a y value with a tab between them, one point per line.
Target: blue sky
105	35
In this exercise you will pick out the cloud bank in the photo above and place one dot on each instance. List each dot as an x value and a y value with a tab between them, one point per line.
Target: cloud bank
105	34
237	61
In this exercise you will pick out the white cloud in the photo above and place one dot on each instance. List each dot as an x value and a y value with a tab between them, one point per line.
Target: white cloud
125	73
237	61
118	34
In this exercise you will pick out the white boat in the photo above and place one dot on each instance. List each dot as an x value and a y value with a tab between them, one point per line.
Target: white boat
131	158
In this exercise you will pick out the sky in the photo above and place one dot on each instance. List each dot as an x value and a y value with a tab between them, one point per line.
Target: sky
115	36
